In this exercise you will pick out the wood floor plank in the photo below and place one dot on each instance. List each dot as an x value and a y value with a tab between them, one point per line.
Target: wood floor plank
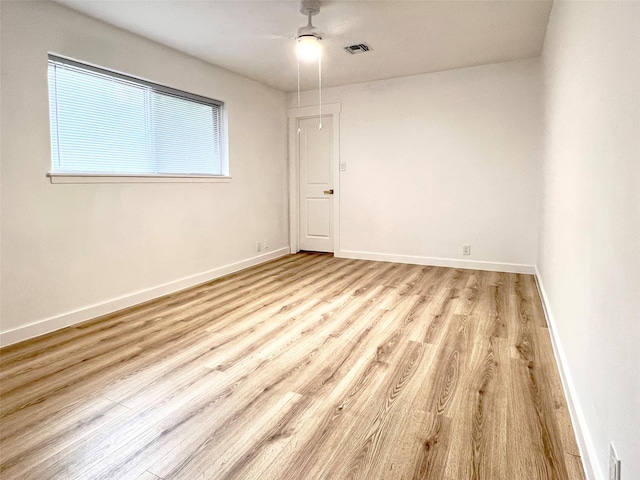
362	454
341	388
309	366
72	425
133	430
338	392
444	303
533	400
94	366
68	339
560	408
119	323
293	362
574	467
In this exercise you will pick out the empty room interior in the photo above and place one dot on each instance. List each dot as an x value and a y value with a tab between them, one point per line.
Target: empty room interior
320	240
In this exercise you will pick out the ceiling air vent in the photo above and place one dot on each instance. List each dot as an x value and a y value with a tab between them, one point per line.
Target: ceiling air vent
358	48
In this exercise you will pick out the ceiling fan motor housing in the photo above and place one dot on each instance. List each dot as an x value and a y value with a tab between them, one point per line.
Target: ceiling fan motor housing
308	32
309	8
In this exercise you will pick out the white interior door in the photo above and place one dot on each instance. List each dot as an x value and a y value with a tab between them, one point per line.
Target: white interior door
315	153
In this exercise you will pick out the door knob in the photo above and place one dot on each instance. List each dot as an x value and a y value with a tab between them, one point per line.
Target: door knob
329	192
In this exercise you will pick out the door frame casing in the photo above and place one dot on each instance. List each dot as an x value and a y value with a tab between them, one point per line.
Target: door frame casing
295	114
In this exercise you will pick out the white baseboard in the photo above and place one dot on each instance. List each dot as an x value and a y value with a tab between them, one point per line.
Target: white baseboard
71	318
585	442
438	262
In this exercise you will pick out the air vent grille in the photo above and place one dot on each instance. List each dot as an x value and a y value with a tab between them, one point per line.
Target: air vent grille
358	48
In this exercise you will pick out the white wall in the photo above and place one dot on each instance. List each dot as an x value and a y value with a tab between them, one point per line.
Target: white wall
69	247
438	160
590	235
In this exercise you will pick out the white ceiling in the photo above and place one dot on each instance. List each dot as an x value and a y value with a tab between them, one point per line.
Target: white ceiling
256	38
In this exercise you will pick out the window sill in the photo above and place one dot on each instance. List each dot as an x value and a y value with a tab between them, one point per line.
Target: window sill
122	178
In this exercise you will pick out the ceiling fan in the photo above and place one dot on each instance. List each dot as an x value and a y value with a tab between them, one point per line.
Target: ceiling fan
308	48
308	39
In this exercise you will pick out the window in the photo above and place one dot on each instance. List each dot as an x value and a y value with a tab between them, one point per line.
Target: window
106	123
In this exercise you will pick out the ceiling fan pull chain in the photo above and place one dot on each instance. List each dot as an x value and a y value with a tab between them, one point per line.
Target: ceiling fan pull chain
298	57
320	88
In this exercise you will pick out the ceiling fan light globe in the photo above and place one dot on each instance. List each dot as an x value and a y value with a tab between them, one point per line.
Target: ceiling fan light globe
308	47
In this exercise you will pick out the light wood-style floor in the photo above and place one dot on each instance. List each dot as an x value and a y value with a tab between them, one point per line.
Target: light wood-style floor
307	367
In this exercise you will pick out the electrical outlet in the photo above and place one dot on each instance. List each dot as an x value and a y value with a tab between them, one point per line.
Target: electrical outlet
614	463
466	249
258	246
265	244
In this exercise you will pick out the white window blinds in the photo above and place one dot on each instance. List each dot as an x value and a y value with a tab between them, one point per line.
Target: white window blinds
107	123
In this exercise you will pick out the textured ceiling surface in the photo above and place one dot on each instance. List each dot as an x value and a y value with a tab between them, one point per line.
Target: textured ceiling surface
257	38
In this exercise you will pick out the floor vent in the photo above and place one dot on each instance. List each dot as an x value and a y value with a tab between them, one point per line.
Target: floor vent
358	48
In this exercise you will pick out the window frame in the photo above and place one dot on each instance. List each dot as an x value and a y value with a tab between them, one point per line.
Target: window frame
98	177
